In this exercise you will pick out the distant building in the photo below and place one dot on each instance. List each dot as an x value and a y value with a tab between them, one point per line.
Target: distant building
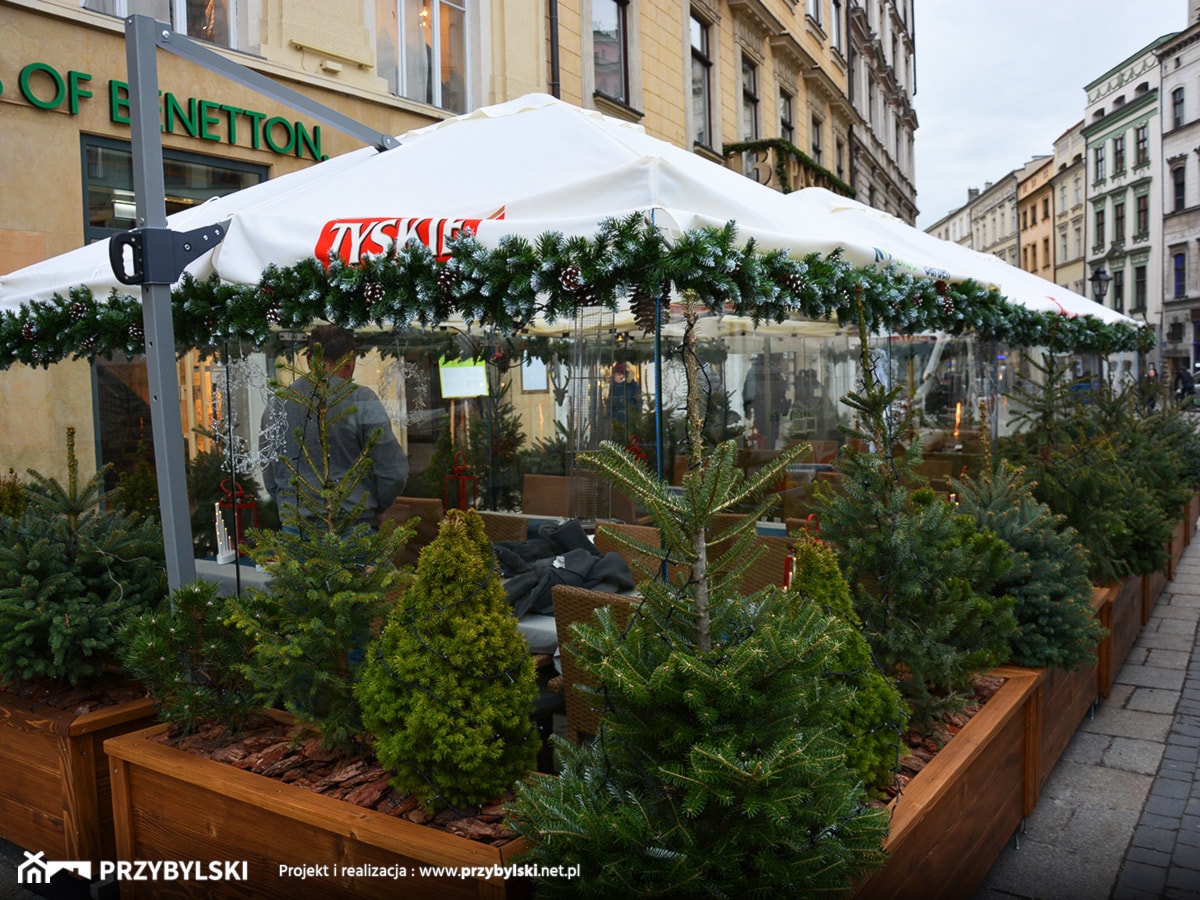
994	219
1179	320
1068	187
1035	206
1124	198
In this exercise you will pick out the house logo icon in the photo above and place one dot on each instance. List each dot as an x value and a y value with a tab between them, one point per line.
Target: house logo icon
38	870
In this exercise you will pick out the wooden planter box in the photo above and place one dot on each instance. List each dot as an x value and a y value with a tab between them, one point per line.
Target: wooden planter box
953	819
55	795
1119	611
169	804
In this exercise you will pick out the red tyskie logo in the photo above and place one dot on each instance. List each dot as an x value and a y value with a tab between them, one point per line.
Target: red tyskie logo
352	239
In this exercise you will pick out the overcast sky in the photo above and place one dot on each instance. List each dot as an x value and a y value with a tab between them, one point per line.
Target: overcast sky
999	80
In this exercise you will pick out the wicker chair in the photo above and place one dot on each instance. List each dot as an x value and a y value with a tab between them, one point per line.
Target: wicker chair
504	526
428	511
641	562
544	495
571	605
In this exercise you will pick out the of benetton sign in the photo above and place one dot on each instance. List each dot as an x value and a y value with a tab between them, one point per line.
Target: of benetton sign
43	86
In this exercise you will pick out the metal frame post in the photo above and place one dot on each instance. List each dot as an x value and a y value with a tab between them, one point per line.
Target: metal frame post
160	255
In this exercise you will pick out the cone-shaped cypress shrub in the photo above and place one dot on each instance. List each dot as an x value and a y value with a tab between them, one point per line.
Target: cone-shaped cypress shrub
719	769
447	687
872	721
71	574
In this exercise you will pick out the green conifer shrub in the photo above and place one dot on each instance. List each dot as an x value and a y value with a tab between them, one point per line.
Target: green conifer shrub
71	574
189	659
719	770
1093	460
447	687
1056	625
922	575
331	577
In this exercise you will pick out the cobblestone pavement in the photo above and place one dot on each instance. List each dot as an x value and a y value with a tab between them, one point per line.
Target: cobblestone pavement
1119	817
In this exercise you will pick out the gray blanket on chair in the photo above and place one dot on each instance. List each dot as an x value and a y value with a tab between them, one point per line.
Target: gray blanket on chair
560	554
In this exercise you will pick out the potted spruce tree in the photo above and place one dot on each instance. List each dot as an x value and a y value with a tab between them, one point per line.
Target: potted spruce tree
72	572
719	767
310	639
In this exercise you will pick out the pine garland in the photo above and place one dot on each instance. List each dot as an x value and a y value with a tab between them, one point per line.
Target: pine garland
507	287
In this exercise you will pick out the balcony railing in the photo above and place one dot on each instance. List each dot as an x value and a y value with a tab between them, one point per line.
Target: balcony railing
783	166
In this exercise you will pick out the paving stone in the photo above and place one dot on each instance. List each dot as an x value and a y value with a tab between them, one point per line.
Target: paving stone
1088	748
1187	856
1168	659
1153	700
1153	676
1152	857
1176	790
1130	723
1143	878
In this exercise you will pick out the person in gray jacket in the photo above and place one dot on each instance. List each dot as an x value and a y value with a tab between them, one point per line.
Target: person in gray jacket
353	422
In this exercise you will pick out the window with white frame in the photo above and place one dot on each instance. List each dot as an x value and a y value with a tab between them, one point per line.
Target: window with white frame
750	120
421	50
610	48
815	140
1178	187
1118	154
814	10
1177	107
836	27
213	21
1098	168
701	82
787	116
1141	138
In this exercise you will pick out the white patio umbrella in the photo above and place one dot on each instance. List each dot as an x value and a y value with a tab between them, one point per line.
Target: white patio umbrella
909	248
524	167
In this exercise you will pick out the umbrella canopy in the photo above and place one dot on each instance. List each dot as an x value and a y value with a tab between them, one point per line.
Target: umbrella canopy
910	248
525	167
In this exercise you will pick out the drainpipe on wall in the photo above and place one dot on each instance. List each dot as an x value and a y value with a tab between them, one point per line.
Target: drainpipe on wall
555	85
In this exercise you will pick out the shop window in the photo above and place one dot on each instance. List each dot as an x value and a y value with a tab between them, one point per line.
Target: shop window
421	50
189	178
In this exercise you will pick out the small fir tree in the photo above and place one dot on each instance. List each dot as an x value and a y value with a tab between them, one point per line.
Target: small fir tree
447	687
922	574
71	574
717	770
1056	625
330	580
190	660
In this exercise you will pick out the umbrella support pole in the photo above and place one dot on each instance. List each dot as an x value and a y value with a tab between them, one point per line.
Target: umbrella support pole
159	255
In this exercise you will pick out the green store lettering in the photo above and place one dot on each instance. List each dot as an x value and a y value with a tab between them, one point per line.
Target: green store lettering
43	86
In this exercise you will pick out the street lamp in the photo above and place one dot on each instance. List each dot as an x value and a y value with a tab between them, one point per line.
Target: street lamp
1100	279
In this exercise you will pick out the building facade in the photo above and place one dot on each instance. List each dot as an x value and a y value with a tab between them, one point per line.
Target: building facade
1035	206
763	86
1124	198
1179	321
994	226
882	57
1069	207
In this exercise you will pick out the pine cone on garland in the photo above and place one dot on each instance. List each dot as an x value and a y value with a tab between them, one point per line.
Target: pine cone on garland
29	332
792	282
77	311
642	305
136	334
571	279
445	281
373	292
